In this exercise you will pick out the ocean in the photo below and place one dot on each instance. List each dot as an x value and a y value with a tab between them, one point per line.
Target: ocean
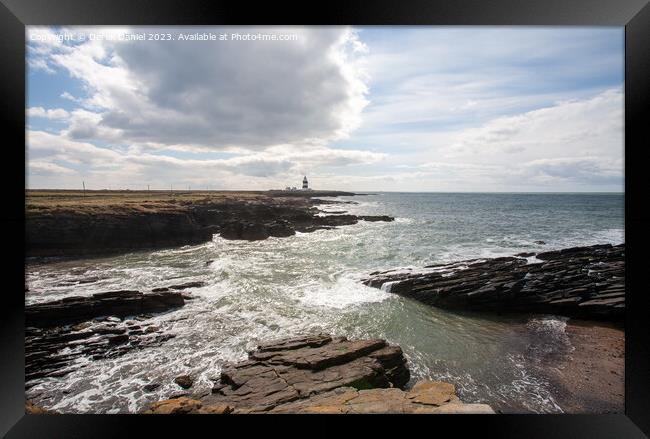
263	290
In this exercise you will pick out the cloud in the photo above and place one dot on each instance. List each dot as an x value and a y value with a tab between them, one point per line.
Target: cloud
42	145
588	126
581	170
44	168
69	97
222	95
370	109
86	125
280	164
56	113
467	76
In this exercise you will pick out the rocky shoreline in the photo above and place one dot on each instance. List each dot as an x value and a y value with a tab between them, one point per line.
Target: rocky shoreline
314	373
321	374
103	325
581	282
71	224
310	374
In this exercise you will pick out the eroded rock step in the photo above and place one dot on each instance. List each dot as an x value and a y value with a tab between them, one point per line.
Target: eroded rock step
76	309
584	282
85	229
58	333
322	374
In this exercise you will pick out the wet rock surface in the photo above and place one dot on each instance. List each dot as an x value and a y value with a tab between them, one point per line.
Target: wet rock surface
298	368
59	333
584	282
77	309
185	286
426	397
185	405
53	352
84	228
322	374
185	381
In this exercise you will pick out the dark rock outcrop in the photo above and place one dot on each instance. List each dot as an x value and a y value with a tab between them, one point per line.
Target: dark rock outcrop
77	233
185	286
332	221
585	282
298	368
51	352
281	229
77	309
59	332
375	218
322	374
185	381
84	229
245	230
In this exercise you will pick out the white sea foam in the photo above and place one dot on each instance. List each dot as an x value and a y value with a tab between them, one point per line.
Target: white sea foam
345	292
264	290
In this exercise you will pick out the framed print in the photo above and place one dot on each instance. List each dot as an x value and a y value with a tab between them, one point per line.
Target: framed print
429	209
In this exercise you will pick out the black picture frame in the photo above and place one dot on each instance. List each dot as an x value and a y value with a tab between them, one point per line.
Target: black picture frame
633	14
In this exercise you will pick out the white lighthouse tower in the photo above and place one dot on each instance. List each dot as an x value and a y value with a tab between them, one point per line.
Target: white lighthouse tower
305	184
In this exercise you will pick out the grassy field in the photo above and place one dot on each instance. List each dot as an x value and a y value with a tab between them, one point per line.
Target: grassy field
104	201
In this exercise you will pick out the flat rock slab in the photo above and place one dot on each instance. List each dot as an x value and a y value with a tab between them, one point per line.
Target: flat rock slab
58	333
184	405
71	310
322	374
427	397
297	368
583	282
52	352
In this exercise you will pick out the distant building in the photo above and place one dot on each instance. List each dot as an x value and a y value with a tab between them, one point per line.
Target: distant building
305	184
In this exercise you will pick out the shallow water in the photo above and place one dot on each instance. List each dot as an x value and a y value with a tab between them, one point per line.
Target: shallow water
259	291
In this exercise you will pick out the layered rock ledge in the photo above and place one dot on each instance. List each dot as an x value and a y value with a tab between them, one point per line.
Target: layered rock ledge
58	333
582	282
321	374
76	309
71	223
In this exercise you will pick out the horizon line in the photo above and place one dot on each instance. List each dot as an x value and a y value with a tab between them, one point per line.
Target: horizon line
327	190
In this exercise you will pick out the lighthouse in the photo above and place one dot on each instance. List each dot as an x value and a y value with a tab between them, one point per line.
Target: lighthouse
305	184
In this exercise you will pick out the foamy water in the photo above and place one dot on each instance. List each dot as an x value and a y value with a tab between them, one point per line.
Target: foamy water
263	290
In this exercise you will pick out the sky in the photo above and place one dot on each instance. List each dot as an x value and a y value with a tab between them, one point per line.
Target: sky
379	108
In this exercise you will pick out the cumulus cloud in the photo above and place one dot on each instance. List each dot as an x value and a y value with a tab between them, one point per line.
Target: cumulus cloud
250	94
419	109
590	127
45	168
41	145
583	170
54	113
69	97
109	166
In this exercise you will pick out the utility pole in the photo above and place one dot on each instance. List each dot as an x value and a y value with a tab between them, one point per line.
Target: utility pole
83	183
